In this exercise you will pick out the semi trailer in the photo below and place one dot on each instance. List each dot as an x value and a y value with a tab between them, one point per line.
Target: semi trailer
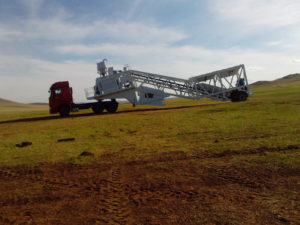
143	88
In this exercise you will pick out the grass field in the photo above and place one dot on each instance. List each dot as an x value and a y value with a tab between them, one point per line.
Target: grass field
191	162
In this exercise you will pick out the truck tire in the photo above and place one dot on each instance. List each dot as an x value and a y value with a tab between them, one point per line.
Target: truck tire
98	107
64	111
233	96
238	96
112	106
242	96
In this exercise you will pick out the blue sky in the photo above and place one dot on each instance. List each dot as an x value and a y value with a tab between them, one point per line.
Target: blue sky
42	41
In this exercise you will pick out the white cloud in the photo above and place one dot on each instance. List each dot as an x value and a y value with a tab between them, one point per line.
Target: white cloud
296	60
32	6
138	32
259	13
188	60
60	26
26	79
134	6
274	43
254	68
261	20
46	29
9	35
58	29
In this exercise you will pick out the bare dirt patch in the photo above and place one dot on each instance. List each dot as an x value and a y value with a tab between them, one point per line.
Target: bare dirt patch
172	188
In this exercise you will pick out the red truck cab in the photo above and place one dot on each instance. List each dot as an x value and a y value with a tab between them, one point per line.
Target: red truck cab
61	100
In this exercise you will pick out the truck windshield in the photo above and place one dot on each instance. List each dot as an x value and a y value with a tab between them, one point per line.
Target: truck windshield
54	92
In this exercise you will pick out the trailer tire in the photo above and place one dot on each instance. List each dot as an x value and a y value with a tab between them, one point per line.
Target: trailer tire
64	111
242	96
233	96
112	106
98	107
238	96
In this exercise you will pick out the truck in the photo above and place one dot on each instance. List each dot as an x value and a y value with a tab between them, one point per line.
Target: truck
61	101
143	88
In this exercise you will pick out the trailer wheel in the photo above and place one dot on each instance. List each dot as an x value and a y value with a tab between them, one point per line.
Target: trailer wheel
234	95
98	107
238	96
242	96
112	106
64	111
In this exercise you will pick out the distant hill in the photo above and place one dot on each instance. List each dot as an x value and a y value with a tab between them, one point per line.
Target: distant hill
260	83
291	77
38	103
8	103
286	79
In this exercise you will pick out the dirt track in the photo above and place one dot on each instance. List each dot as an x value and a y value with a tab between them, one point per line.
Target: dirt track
171	189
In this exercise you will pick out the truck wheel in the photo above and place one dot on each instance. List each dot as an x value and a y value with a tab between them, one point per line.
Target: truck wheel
234	96
98	107
112	106
238	96
242	96
64	111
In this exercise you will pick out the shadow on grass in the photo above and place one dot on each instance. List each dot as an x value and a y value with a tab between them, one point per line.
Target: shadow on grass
101	114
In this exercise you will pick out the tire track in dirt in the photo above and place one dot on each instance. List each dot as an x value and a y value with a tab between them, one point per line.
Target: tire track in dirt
76	187
180	155
34	175
114	200
260	150
236	176
6	173
219	176
108	194
143	196
4	220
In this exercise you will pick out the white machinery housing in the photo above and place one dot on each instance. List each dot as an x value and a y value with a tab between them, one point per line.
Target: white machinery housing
142	88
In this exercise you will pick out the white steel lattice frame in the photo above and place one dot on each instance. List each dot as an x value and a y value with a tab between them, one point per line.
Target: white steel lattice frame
217	85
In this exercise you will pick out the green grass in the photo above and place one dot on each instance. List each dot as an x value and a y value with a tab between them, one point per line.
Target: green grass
270	118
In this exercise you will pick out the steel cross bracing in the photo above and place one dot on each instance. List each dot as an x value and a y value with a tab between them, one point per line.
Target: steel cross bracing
150	89
215	84
169	85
